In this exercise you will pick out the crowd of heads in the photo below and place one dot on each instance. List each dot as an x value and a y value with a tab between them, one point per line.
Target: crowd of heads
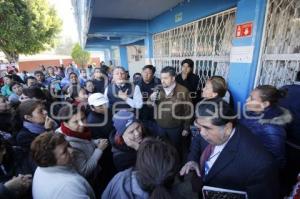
56	95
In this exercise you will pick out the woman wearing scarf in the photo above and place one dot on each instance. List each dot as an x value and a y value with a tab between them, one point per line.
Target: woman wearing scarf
30	120
87	152
33	120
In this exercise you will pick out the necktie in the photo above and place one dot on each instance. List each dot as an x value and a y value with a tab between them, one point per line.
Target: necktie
205	157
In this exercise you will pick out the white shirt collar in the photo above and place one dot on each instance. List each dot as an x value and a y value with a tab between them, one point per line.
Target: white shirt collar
217	151
169	89
222	146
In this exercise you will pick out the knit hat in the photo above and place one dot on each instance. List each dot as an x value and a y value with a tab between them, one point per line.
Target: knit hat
122	120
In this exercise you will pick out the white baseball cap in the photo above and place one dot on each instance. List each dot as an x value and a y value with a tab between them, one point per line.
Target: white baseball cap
97	99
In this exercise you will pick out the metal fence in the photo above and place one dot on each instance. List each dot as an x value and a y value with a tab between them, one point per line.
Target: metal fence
280	51
206	41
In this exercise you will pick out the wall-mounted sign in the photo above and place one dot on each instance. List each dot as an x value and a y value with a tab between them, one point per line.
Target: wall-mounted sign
178	17
244	30
241	54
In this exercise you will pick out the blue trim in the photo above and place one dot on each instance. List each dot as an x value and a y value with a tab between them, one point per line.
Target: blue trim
99	41
191	11
119	26
149	46
126	31
132	40
123	57
95	48
260	13
242	75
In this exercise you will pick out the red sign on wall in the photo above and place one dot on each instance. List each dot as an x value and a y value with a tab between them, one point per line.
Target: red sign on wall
244	30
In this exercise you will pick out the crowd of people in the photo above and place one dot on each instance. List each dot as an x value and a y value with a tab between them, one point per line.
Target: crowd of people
77	133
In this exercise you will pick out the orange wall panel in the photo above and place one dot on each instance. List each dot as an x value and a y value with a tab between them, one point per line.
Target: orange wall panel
31	66
66	62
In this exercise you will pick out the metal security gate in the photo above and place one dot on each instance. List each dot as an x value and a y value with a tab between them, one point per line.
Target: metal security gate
206	41
280	51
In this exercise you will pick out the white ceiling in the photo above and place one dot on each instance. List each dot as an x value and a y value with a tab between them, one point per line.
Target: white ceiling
132	9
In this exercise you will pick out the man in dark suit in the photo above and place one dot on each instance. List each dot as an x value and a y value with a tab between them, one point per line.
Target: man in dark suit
228	156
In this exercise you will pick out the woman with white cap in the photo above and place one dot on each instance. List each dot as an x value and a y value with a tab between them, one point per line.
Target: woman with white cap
99	118
99	121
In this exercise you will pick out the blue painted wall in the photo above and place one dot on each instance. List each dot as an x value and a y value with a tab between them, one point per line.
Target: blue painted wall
96	48
242	75
122	32
132	40
130	30
103	42
148	46
191	11
247	10
122	27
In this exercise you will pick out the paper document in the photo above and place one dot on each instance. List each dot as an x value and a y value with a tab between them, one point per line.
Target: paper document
219	193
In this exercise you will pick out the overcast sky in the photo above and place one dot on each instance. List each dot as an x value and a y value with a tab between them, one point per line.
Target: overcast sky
66	12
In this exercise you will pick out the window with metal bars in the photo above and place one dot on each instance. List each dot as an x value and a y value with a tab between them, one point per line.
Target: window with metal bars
206	41
280	49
